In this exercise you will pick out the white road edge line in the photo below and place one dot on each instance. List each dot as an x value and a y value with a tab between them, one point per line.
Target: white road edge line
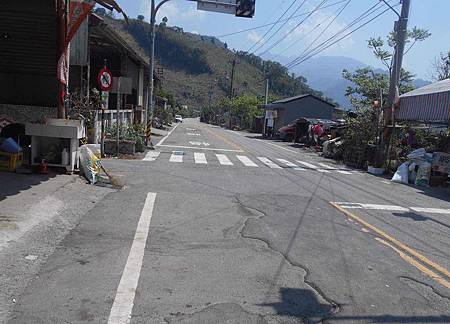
124	300
165	137
201	148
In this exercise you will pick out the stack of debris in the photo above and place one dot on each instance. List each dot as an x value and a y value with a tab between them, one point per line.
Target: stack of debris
425	169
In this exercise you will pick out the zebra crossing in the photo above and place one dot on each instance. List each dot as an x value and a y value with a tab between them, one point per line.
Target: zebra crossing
245	161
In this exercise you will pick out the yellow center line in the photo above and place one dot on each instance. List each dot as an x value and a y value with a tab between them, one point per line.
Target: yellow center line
397	243
225	139
421	267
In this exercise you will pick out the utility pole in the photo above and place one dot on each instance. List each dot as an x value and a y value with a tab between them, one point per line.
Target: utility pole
401	30
267	92
210	93
231	85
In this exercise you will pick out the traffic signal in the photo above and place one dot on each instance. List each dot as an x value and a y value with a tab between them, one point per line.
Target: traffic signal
245	8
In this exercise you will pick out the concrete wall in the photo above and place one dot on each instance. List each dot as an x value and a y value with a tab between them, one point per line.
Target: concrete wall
22	114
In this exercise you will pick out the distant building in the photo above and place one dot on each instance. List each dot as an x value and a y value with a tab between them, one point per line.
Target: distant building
428	104
281	112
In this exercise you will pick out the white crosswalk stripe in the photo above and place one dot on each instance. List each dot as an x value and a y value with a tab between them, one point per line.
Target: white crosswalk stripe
223	159
291	165
226	160
177	158
246	161
151	156
269	163
329	167
313	167
200	158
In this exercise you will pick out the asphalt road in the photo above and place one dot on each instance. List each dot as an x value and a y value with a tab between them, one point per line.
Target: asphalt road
217	226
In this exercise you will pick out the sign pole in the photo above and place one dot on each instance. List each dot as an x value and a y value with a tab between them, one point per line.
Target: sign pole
102	143
105	82
119	102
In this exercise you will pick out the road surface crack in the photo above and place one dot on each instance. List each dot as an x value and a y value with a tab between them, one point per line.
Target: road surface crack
334	306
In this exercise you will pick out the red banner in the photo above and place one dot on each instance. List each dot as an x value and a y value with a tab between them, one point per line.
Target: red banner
79	10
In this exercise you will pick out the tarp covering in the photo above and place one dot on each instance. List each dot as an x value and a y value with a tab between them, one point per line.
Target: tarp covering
430	103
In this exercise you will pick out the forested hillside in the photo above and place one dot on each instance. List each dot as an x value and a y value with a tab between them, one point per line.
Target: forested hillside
195	66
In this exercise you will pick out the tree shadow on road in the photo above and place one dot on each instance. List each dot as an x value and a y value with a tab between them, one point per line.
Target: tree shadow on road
420	218
301	303
12	183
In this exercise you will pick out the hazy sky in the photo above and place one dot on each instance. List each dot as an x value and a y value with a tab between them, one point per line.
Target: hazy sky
429	14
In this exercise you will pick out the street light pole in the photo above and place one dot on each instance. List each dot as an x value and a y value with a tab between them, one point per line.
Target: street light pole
151	110
153	11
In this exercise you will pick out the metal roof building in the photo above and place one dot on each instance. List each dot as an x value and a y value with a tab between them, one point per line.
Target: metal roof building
427	104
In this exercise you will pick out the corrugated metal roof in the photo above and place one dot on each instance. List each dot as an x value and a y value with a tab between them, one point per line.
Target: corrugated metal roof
430	103
441	86
286	100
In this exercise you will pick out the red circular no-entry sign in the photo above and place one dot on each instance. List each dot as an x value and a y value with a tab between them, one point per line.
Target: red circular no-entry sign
105	79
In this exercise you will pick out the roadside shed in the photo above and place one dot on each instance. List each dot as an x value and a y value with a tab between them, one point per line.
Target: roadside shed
430	104
281	112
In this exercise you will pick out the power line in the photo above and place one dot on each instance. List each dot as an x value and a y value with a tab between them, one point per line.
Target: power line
277	22
326	28
364	15
345	36
284	24
293	29
271	28
336	15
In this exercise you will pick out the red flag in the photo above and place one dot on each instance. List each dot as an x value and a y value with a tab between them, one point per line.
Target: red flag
79	10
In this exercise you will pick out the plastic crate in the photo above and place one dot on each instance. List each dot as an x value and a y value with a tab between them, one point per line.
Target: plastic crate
10	161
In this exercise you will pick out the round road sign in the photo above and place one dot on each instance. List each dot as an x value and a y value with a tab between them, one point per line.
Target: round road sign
105	79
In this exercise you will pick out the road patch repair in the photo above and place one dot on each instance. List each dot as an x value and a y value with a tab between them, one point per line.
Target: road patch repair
410	255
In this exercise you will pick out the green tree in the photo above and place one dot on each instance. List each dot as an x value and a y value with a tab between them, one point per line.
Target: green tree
244	109
441	67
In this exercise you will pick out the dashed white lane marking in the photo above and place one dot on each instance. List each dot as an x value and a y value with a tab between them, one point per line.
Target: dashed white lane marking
431	210
329	167
313	167
223	159
290	164
177	158
200	158
151	156
269	163
246	161
124	300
